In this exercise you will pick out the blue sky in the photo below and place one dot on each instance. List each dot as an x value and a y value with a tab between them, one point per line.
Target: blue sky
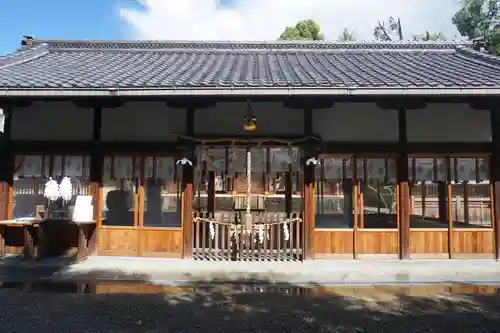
60	19
64	19
212	19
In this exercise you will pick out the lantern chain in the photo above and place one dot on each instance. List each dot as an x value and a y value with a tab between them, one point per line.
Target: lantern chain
249	179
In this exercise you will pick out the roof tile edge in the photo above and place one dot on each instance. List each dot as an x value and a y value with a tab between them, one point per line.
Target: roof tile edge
23	55
242	45
479	55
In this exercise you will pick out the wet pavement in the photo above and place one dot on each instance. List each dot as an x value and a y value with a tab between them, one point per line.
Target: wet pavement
107	306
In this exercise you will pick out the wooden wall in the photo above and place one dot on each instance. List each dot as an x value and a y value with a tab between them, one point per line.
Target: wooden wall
147	242
360	244
333	244
384	244
429	243
477	243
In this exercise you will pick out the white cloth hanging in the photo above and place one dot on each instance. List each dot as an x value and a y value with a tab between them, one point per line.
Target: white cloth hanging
66	189
51	190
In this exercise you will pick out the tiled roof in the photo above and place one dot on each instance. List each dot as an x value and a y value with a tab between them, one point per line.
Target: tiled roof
90	67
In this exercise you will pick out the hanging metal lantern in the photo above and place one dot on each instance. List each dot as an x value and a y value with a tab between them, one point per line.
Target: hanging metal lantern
249	121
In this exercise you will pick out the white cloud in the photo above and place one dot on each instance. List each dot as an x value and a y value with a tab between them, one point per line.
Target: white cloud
266	19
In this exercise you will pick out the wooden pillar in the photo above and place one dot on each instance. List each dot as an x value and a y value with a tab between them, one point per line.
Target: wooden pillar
308	189
6	165
188	191
187	210
309	209
404	189
211	192
288	191
443	201
495	176
96	171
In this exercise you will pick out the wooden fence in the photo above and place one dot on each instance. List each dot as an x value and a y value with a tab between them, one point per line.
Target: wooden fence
224	237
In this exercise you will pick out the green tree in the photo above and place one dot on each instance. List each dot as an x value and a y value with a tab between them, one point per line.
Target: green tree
479	19
303	30
388	31
346	36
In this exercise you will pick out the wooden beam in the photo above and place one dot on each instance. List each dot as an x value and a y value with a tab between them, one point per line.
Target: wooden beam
84	147
96	173
438	148
309	210
307	103
188	191
103	103
187	211
191	103
407	104
495	175
404	189
308	189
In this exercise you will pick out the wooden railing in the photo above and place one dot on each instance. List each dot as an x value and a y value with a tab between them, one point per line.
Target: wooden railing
224	237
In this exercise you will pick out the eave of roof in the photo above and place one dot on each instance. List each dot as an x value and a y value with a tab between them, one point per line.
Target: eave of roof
39	49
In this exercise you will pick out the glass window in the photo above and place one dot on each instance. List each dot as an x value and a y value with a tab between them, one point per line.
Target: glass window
213	184
334	193
462	181
33	171
162	193
221	175
470	193
428	177
377	194
120	180
284	167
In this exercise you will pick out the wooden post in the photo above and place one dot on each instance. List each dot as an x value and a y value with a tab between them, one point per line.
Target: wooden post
443	202
288	191
404	189
495	175
449	200
96	171
309	209
308	190
188	191
187	210
211	192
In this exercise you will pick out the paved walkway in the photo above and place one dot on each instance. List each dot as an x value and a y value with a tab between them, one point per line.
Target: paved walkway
177	271
310	272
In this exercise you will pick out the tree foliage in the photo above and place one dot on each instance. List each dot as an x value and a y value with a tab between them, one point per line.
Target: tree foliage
388	31
429	36
346	36
479	19
303	30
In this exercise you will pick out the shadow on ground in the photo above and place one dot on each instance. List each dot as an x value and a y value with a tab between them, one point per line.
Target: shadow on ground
261	306
113	301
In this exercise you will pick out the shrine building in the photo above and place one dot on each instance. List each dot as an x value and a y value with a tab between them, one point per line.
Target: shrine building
256	151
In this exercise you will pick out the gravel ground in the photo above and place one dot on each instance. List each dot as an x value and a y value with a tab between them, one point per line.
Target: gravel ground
240	308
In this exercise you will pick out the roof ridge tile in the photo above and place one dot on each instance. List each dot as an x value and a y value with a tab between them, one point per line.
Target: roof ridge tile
485	57
23	55
243	45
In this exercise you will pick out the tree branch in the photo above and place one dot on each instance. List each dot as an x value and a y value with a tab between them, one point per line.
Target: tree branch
382	28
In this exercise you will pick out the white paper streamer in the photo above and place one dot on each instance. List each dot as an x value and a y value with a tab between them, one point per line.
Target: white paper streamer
261	234
211	230
286	232
51	190
66	189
